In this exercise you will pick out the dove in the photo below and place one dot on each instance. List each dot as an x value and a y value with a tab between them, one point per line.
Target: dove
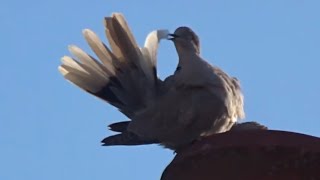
198	100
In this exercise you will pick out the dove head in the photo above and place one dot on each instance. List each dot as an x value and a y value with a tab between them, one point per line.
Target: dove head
185	40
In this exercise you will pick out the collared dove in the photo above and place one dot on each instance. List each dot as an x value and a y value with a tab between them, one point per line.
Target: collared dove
198	100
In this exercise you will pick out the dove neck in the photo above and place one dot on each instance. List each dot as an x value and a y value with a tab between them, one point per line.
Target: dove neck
187	58
185	49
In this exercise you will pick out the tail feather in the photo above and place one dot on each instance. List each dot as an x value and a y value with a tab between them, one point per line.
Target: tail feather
68	62
110	33
137	55
88	62
124	75
125	48
128	139
150	48
119	126
108	59
123	39
80	75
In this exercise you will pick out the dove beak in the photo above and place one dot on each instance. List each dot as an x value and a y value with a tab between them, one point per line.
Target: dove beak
172	36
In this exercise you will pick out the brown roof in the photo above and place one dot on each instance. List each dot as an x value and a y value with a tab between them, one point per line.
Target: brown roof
248	155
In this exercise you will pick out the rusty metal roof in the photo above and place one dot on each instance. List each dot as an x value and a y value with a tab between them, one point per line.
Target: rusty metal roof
248	155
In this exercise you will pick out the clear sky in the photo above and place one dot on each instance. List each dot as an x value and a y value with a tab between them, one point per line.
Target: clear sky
50	129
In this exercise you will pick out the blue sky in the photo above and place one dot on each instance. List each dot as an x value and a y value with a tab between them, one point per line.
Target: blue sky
50	129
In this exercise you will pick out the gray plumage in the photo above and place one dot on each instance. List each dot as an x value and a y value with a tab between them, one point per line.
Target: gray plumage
248	126
197	100
200	99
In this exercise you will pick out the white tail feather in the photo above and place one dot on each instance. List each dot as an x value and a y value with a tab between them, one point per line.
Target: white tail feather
152	42
123	76
149	51
82	80
119	17
68	61
100	49
86	76
91	63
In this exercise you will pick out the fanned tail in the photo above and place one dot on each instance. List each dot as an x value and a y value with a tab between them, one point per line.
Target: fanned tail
124	76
